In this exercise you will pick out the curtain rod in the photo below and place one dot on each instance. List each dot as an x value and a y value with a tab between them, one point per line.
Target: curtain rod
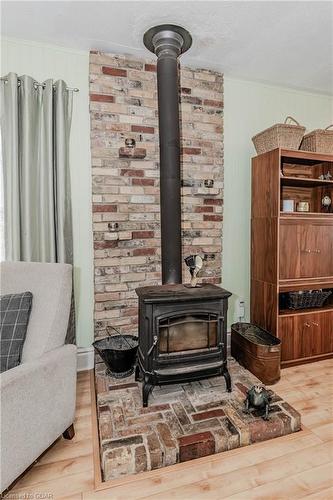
36	84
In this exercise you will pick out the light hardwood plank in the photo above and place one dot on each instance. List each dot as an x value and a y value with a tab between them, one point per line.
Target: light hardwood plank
295	486
294	466
245	478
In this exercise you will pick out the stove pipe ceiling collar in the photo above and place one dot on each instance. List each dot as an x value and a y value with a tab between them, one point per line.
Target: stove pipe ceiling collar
168	42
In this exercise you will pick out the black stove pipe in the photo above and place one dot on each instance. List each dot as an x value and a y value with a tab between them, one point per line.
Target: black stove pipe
168	42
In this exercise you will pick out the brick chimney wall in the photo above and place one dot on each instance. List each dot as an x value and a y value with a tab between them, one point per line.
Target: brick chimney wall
125	186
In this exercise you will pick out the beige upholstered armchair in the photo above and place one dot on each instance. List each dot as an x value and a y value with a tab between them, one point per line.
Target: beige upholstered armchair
38	396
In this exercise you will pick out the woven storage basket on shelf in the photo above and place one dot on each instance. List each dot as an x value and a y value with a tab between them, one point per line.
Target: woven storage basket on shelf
308	299
281	135
319	141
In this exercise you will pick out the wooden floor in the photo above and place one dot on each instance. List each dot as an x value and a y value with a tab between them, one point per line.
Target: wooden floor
295	466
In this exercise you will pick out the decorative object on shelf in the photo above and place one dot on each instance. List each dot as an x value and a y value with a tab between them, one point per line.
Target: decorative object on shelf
326	203
307	299
326	177
258	398
319	141
281	135
195	264
303	206
288	205
130	151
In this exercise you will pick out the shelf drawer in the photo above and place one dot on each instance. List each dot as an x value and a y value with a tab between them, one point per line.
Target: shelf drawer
306	249
306	335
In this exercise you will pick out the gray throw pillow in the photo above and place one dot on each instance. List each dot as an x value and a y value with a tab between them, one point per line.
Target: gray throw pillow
14	317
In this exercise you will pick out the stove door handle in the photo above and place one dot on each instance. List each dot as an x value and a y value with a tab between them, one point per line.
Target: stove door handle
153	346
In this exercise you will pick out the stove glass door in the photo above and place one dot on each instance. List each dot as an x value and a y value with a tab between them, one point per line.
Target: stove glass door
187	332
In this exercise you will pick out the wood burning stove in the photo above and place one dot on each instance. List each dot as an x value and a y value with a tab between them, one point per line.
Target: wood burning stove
182	335
182	330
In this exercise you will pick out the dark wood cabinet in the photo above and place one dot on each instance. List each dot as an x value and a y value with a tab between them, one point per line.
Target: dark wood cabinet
306	248
292	251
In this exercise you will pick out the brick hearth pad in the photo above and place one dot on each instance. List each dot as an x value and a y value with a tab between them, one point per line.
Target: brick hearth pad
182	421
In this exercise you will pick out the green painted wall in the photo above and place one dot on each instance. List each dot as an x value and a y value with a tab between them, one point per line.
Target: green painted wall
47	61
249	108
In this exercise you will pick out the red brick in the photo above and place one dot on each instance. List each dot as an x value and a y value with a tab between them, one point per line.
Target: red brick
140	459
144	251
132	172
242	388
127	441
191	151
139	235
101	98
286	421
101	245
104	208
165	435
156	456
101	385
122	386
208	406
180	413
208	414
153	408
211	102
145	419
196	446
143	182
105	427
195	438
150	67
185	90
261	430
216	218
113	71
204	209
103	409
137	153
142	129
213	201
192	100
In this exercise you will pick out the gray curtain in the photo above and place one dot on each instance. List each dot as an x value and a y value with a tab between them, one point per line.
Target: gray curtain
35	131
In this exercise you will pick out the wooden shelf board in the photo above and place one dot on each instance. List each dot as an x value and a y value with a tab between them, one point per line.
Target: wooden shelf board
309	157
305	284
304	181
305	215
298	312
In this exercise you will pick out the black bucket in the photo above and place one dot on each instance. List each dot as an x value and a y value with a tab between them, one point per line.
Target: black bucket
118	353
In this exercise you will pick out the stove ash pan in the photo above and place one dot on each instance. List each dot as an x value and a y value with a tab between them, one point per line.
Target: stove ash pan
182	335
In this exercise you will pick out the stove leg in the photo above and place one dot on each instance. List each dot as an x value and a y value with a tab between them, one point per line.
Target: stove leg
227	379
137	373
146	388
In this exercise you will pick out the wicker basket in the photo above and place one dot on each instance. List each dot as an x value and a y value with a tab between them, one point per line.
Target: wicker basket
319	141
304	300
281	135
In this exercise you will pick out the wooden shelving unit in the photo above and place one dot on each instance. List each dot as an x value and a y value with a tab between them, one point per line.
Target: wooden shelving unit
292	251
304	182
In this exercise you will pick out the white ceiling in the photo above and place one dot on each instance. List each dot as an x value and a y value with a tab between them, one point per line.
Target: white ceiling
278	42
